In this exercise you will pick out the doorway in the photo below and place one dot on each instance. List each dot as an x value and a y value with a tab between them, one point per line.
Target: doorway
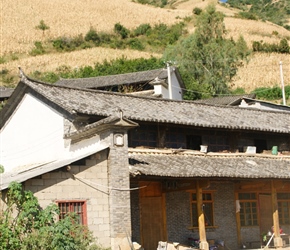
266	214
152	215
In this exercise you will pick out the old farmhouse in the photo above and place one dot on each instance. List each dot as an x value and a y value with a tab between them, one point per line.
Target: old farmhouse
152	83
144	169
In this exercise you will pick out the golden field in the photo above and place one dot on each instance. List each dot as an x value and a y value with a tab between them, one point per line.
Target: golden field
74	17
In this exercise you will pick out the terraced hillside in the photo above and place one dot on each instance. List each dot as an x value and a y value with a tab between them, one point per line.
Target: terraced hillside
74	17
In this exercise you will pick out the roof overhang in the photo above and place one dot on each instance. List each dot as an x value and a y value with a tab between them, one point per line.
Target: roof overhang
24	173
190	164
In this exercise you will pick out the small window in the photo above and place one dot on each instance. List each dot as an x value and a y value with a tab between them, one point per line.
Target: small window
284	208
77	207
249	209
207	206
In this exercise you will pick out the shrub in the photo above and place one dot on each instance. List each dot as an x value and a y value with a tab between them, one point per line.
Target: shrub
2	59
135	43
105	37
197	11
142	29
14	57
93	36
50	77
38	50
268	93
287	27
247	15
284	46
121	30
68	43
24	225
61	43
117	44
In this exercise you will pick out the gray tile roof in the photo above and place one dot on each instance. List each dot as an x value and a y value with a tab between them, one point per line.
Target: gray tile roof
225	100
102	103
111	80
169	163
5	92
23	173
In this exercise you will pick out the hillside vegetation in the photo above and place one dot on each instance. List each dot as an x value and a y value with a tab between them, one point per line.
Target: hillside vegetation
75	17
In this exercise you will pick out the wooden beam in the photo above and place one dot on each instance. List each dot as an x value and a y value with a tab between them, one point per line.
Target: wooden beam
201	223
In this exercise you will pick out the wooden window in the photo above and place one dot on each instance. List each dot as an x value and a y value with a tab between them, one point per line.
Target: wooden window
249	209
143	136
175	138
77	207
284	208
216	142
207	198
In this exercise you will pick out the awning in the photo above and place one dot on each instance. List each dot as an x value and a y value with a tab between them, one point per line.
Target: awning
170	163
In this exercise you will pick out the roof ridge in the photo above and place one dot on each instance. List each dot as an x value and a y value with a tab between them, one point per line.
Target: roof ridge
114	75
184	152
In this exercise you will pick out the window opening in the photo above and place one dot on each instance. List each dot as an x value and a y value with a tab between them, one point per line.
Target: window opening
283	200
77	207
193	142
248	209
207	206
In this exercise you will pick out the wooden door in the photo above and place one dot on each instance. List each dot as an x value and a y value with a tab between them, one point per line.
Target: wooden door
152	215
266	215
151	222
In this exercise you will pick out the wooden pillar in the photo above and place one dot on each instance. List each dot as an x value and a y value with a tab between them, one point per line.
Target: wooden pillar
278	242
238	219
201	224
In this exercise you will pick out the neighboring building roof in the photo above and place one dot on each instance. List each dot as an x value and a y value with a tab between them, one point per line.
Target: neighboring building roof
120	79
101	103
174	163
247	102
5	93
226	100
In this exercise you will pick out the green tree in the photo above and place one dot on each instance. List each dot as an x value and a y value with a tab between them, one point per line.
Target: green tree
24	225
207	56
42	26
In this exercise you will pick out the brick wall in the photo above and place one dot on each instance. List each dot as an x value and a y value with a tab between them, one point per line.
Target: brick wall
90	184
119	199
135	214
178	216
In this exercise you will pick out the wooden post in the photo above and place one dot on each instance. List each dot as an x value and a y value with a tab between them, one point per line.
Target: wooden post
278	242
238	219
203	245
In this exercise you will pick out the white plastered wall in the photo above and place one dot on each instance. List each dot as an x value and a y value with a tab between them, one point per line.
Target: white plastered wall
32	135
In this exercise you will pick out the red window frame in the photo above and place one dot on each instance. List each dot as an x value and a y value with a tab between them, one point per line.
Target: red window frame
73	206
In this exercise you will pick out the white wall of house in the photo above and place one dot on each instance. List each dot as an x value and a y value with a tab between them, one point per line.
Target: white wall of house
32	135
176	88
163	89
